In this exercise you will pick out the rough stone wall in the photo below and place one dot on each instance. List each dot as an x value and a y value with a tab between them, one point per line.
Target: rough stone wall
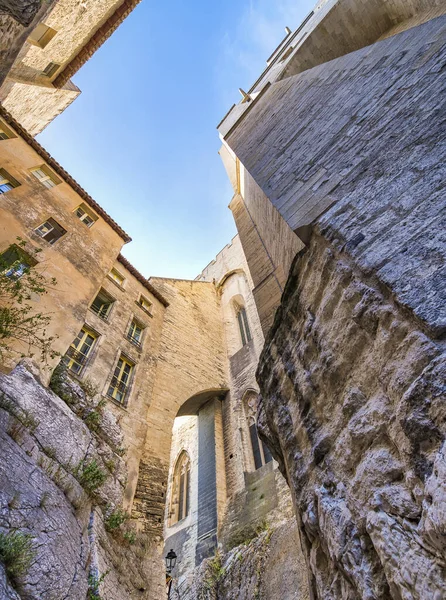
35	107
45	445
354	409
17	20
267	566
191	361
365	139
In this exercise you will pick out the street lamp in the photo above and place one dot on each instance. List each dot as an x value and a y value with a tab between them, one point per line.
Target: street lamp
171	559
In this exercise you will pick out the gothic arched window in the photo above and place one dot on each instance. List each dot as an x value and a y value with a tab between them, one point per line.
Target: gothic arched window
180	501
243	325
260	450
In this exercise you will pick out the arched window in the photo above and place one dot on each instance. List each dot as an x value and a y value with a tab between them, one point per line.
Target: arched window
179	504
260	450
243	325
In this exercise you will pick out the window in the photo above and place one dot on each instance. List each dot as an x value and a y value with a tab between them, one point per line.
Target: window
243	325
260	451
120	382
46	176
117	277
144	303
42	35
7	182
79	351
50	231
5	132
180	500
51	69
134	333
102	304
84	214
14	262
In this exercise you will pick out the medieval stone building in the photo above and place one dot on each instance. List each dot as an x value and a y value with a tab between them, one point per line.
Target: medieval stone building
279	421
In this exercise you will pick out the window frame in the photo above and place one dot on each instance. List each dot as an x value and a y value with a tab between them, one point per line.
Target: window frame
144	299
23	258
243	325
48	177
8	134
130	336
180	489
116	380
48	34
51	69
117	281
104	316
7	179
71	357
87	213
57	228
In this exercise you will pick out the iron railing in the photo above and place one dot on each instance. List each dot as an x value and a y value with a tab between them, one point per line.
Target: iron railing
116	385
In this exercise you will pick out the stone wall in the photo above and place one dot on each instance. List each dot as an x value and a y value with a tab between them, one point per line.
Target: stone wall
46	446
354	409
267	565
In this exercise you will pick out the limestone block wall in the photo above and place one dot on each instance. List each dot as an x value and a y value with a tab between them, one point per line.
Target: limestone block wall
36	106
191	365
353	408
365	140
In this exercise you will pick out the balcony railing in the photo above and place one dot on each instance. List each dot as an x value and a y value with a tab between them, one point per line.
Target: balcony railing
117	390
76	358
134	340
99	310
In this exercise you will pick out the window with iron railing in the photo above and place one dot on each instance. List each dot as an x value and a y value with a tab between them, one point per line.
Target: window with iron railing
134	334
120	382
102	304
78	353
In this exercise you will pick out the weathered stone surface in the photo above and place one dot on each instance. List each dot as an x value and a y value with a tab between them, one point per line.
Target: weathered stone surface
362	138
354	410
6	591
269	566
42	441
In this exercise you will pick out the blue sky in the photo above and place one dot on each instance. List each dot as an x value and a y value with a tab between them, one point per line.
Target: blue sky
142	139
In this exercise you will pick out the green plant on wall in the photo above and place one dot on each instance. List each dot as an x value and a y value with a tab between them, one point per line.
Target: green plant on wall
22	283
16	553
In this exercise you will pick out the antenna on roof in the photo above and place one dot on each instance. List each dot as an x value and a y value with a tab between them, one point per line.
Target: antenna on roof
287	30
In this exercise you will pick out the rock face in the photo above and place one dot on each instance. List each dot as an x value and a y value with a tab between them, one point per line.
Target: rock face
269	566
48	490
353	408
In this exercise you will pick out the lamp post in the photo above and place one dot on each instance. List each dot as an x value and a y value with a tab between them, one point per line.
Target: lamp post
171	559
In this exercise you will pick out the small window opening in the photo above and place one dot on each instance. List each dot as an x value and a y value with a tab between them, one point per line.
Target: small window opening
51	69
41	35
79	351
84	214
180	500
134	333
102	304
120	382
7	182
242	319
117	277
5	132
14	262
46	176
260	450
50	231
144	303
